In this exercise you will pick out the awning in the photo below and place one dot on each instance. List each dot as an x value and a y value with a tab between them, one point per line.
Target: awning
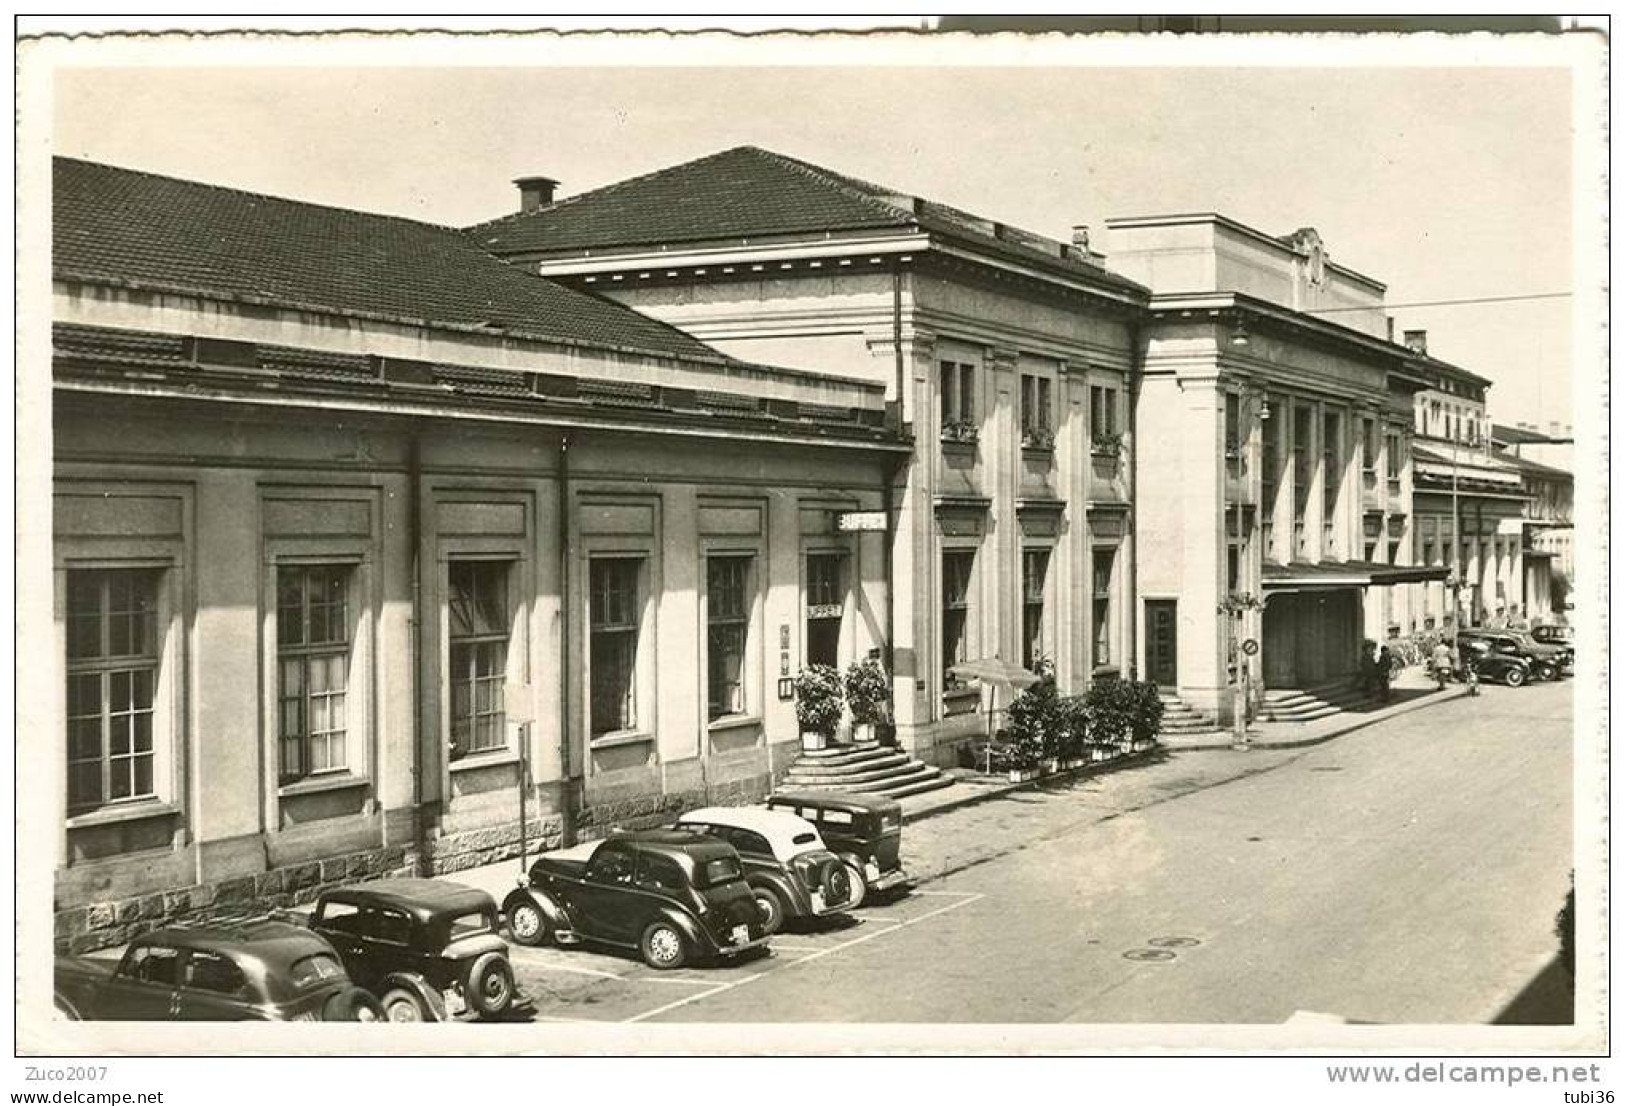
1308	576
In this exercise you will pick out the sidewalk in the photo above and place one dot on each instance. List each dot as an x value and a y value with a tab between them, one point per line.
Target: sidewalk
933	848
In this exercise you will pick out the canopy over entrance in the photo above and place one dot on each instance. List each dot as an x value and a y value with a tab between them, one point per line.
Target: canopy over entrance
1324	575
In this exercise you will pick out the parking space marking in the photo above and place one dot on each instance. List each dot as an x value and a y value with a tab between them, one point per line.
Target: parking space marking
965	899
573	970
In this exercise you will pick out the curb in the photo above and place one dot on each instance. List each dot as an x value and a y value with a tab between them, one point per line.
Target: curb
998	790
1350	726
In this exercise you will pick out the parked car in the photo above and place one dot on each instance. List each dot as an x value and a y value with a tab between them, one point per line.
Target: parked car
865	831
1554	635
786	864
426	948
1546	662
1503	668
674	896
258	970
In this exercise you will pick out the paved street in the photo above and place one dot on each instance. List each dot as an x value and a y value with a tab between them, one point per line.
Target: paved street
1407	872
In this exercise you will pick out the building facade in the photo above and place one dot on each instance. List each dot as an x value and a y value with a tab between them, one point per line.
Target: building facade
365	542
1274	422
1006	356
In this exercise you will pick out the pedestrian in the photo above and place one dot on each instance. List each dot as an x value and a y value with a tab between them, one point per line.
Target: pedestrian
1443	662
1385	672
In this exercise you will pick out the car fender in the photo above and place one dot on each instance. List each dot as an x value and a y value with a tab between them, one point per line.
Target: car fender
688	925
788	890
853	859
550	907
417	985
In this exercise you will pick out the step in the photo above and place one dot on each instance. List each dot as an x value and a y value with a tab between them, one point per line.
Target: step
1306	714
882	787
801	774
921	787
837	755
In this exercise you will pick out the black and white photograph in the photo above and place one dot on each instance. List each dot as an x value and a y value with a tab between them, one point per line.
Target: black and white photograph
943	542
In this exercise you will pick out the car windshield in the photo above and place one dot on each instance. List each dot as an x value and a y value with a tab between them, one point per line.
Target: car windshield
724	869
467	925
312	970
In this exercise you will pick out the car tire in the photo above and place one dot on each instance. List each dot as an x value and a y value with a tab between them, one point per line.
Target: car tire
527	925
838	886
771	908
352	1005
1514	677
860	889
489	986
401	1005
663	947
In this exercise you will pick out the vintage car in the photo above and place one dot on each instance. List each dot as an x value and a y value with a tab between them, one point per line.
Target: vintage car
1501	668
865	831
786	864
672	895
1551	634
1546	662
426	948
255	970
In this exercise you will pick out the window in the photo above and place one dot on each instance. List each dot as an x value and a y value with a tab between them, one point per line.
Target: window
112	669
1034	570
727	624
477	603
313	669
956	580
154	964
610	865
1331	453
1368	454
1035	410
207	971
1271	476
1103	563
1103	419
1302	473
1232	424
615	609
826	602
660	873
1393	444
958	396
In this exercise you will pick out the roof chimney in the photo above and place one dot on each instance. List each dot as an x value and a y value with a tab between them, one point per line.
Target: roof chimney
1417	341
1080	236
1390	328
535	192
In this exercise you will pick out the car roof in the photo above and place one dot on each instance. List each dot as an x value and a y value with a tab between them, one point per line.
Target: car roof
780	827
675	842
424	899
275	944
838	800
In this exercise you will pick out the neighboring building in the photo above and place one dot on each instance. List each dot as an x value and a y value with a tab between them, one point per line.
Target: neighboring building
1548	522
1274	420
355	526
1007	356
1469	506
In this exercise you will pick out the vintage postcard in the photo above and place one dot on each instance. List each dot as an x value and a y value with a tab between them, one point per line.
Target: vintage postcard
919	542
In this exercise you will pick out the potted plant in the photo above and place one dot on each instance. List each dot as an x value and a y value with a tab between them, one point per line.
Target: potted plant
818	704
1032	725
1072	731
1108	444
868	697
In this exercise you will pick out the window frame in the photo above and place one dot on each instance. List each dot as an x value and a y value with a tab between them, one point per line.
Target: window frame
740	621
478	642
632	629
956	397
838	599
1102	620
306	651
1035	618
963	610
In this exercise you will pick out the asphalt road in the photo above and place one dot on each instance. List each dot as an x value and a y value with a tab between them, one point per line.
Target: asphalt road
1406	873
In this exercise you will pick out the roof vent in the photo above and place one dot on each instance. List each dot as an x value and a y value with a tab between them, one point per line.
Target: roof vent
1417	341
535	192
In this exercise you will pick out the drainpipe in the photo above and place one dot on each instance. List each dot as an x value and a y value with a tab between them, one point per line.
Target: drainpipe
897	343
567	795
414	537
1135	367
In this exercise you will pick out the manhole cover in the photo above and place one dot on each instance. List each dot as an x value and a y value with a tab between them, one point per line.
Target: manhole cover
1148	954
1173	942
1255	839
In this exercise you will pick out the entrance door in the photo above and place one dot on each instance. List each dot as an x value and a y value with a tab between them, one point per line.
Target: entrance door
1281	641
1162	641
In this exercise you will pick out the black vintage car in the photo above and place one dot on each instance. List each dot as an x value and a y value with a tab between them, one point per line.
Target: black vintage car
1501	668
256	970
672	895
865	831
1546	662
786	864
427	948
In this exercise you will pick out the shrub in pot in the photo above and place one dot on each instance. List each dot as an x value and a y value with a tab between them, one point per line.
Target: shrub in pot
1144	708
818	704
868	697
1033	716
1109	722
1071	729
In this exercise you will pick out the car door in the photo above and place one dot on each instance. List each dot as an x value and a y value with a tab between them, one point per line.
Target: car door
606	905
345	925
212	989
382	944
145	987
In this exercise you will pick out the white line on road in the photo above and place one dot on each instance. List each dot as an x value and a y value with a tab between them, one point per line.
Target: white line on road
966	900
573	970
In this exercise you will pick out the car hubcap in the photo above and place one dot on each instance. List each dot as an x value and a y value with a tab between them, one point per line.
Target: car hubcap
526	921
404	1012
664	945
496	988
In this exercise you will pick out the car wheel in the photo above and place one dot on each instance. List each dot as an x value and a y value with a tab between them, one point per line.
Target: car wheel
526	924
837	884
352	1005
490	985
663	947
771	908
401	1005
1547	672
1514	677
860	889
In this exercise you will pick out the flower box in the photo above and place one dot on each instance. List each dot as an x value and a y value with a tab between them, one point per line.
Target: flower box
1022	775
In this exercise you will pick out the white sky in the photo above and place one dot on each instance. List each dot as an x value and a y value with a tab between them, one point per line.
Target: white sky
1442	183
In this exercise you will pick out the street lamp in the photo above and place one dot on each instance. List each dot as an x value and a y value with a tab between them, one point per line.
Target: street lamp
1236	605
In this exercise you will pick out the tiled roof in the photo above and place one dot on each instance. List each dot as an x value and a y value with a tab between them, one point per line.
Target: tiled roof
138	229
751	193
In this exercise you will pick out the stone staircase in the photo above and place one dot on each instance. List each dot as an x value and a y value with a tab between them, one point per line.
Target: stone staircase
1178	718
869	768
1285	704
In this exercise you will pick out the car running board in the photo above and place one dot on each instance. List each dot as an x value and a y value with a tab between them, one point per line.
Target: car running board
566	937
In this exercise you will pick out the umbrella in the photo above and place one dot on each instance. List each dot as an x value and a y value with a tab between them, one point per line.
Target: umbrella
995	672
